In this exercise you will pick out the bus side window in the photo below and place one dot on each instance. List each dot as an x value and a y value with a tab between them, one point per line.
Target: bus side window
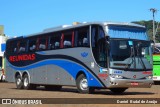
52	43
68	39
22	47
32	45
82	37
43	43
16	48
12	47
8	47
55	42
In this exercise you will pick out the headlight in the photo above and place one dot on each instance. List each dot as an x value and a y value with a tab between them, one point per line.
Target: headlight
149	77
116	76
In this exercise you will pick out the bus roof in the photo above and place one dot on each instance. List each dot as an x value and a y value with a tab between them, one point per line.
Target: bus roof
66	27
89	23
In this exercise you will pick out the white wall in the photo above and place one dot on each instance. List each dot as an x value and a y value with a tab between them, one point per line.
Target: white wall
2	41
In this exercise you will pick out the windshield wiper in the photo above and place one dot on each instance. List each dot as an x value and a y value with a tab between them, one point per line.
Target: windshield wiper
133	60
139	57
142	63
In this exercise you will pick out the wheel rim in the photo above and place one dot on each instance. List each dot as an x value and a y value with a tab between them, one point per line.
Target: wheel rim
84	84
26	82
18	81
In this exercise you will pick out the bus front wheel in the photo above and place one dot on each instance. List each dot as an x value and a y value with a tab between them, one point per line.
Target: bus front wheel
118	90
82	85
19	83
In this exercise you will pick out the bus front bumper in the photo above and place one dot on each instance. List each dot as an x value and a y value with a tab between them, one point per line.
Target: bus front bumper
156	78
120	83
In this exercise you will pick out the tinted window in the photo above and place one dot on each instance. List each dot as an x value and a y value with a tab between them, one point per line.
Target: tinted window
33	44
42	43
22	46
68	39
12	47
55	41
82	37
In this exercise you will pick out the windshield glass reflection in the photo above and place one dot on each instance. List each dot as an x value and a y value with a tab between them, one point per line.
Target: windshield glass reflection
130	54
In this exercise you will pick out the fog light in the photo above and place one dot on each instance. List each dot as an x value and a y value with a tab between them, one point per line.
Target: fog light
111	83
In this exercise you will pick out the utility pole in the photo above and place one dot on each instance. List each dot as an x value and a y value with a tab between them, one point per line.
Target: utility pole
153	10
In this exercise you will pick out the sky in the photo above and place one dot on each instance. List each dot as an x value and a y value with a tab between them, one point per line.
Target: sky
24	17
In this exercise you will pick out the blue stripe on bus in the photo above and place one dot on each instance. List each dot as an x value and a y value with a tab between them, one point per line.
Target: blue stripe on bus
70	67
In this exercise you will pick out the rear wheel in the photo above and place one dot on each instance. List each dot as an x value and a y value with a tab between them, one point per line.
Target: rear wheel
19	83
82	85
118	90
26	83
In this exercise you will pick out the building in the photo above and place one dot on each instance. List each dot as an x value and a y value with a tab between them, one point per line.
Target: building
3	39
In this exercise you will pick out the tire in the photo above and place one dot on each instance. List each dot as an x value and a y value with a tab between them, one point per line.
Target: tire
26	84
82	85
53	87
118	90
19	82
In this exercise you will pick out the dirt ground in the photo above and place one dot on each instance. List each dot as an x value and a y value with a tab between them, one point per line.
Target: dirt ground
8	90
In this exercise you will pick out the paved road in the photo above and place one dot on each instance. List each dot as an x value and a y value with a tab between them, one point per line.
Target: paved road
8	90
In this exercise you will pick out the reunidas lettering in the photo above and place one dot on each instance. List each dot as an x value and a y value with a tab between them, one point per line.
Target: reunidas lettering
25	57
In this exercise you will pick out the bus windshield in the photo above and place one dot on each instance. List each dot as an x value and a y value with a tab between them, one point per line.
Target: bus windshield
133	55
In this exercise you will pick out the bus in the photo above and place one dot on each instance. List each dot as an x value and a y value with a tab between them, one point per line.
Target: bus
90	55
156	64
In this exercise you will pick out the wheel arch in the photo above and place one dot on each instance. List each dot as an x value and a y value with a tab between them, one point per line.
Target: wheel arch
26	72
18	73
82	72
92	80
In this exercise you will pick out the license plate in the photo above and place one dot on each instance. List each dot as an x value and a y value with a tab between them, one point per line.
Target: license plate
134	83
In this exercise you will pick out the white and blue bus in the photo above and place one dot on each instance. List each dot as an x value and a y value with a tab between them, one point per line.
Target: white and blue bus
91	55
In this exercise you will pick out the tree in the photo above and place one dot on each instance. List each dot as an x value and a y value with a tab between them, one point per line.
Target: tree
149	27
158	34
